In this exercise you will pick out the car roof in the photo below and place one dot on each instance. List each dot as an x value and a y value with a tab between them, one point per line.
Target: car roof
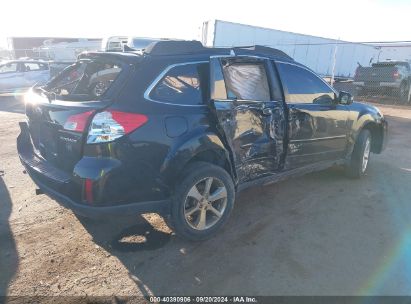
193	49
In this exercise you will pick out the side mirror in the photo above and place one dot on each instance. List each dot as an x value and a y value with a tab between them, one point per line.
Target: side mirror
345	98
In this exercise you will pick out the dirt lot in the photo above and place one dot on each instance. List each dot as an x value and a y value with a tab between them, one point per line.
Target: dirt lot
321	234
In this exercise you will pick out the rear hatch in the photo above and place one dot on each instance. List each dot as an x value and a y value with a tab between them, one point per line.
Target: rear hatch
58	114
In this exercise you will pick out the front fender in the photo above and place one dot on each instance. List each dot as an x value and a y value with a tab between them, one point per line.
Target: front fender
187	148
363	116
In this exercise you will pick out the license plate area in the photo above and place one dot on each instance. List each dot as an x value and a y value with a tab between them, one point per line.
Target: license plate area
47	144
374	84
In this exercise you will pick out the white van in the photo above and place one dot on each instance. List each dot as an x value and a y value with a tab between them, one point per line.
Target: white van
113	44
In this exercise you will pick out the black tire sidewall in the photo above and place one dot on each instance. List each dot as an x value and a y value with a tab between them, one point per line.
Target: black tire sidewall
194	173
403	91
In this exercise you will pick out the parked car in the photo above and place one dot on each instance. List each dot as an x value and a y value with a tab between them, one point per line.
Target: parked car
391	76
182	129
19	75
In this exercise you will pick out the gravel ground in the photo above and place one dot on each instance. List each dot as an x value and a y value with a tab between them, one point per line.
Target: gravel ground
321	234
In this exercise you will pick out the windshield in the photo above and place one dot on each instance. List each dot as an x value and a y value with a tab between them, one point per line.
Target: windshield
85	80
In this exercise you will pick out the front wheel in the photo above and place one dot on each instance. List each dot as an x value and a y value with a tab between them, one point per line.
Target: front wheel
358	164
203	201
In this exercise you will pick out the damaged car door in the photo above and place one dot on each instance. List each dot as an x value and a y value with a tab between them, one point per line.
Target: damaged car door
317	122
250	113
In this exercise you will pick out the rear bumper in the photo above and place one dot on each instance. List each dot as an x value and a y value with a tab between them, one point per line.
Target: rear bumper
57	184
376	85
358	83
395	85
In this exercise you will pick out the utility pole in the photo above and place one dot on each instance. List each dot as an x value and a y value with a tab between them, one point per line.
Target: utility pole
334	63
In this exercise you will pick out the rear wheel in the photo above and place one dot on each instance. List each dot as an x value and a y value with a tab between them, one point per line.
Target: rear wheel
358	164
403	91
203	201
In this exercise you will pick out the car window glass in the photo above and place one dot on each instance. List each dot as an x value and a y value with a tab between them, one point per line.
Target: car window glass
304	86
7	68
29	66
181	85
276	85
218	89
246	81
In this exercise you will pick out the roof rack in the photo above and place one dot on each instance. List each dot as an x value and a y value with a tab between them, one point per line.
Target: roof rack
176	47
264	50
172	47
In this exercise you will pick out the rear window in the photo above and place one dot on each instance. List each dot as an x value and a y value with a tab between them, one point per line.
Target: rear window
85	80
182	85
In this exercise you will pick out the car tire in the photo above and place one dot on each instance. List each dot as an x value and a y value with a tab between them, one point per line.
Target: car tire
197	214
403	91
358	164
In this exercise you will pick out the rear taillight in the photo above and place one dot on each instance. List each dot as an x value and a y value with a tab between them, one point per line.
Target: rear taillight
88	191
396	74
77	122
109	125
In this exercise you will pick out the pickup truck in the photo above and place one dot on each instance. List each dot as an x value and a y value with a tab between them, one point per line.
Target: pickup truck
393	77
182	129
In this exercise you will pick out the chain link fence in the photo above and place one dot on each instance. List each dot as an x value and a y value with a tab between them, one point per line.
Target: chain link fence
370	71
383	82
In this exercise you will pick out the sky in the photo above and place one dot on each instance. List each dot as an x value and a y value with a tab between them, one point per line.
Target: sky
352	20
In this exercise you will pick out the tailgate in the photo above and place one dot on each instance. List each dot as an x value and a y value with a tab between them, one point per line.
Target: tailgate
59	113
46	123
376	74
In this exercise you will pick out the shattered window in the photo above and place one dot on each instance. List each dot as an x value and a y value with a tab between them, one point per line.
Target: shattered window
86	79
247	81
181	85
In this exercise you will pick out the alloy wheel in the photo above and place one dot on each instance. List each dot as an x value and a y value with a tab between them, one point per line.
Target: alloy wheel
366	155
205	203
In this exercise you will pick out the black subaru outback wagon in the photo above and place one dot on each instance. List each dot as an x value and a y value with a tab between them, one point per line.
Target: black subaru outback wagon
179	129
